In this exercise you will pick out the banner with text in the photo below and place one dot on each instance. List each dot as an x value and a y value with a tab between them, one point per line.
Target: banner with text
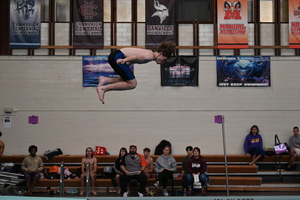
243	71
25	25
180	71
294	24
88	24
160	22
232	24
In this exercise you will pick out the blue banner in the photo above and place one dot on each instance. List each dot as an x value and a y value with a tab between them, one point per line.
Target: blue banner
95	66
25	25
243	71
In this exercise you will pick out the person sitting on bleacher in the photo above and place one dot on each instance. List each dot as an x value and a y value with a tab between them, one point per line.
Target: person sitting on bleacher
253	145
189	152
117	165
89	158
149	168
165	166
133	166
294	144
32	165
196	166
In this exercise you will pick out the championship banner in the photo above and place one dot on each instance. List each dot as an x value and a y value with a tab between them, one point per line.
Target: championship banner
243	71
95	66
232	24
180	71
160	22
88	24
25	24
294	24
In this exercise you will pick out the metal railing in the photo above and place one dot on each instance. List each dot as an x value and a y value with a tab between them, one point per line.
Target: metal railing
87	180
62	179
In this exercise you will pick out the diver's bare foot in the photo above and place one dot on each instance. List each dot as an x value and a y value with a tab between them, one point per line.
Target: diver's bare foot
81	193
101	94
94	193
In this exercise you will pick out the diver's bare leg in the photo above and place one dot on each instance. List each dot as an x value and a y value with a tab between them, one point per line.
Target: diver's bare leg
122	85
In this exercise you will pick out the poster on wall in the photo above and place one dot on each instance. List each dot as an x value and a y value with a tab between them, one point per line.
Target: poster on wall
95	66
25	25
232	24
88	24
160	22
180	71
294	24
243	71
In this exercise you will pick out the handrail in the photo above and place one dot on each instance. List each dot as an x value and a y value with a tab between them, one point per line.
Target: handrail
62	179
88	179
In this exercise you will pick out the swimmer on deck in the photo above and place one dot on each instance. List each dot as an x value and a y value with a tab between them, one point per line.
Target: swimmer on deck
120	60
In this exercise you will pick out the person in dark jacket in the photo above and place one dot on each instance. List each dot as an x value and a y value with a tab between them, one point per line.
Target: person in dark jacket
122	153
189	152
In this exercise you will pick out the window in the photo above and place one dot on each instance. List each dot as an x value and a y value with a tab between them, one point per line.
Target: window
62	10
44	10
250	11
284	17
266	10
193	10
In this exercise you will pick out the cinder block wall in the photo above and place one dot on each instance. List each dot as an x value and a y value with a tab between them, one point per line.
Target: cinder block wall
71	117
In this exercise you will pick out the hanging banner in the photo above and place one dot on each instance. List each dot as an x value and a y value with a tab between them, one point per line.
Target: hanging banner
243	71
232	24
294	24
160	22
180	71
88	24
95	66
25	25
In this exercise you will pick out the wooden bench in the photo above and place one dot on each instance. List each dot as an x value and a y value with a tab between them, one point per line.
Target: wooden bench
241	175
109	159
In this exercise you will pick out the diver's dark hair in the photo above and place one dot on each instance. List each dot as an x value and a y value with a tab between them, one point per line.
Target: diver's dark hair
167	48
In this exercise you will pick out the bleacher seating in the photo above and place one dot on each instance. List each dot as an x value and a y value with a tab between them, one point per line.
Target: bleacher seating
241	176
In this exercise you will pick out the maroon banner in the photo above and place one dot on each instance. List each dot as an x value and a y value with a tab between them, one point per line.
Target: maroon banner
88	24
160	22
